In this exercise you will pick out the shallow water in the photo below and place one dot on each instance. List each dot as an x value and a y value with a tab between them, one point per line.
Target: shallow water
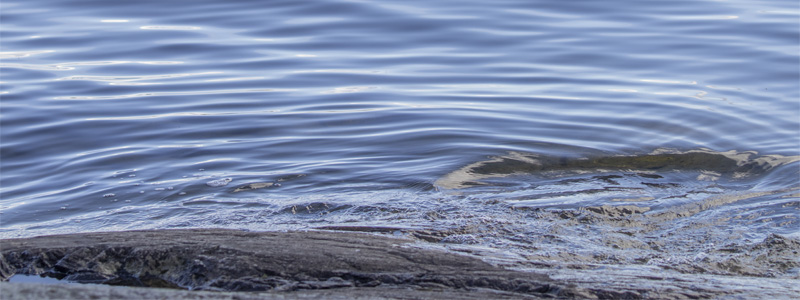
279	115
19	278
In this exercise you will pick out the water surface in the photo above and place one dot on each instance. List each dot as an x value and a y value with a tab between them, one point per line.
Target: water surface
271	115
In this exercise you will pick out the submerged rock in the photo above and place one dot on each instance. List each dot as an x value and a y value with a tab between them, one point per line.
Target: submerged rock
731	163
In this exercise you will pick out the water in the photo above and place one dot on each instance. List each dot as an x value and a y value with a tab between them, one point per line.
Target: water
19	278
273	115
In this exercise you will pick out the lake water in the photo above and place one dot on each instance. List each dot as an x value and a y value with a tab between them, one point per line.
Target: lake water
501	124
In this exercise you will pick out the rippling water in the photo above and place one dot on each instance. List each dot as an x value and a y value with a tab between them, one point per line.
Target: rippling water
296	114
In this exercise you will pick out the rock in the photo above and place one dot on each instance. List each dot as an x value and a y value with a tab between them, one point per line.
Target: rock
231	264
29	291
254	186
230	260
618	210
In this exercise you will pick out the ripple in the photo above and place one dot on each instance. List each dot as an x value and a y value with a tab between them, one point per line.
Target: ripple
234	79
36	67
349	89
156	94
168	27
132	78
72	65
21	54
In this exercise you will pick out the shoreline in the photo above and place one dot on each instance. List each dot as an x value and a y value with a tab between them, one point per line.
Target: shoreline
222	263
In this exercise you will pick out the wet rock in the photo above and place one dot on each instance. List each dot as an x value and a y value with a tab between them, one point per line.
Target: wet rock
731	163
428	235
29	291
617	211
776	253
229	260
353	265
254	186
460	239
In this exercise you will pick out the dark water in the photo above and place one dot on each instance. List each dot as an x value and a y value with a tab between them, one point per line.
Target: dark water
295	114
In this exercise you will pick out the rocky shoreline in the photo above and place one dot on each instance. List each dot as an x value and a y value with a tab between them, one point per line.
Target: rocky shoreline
232	264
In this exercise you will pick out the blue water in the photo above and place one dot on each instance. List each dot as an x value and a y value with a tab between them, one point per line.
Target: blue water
270	115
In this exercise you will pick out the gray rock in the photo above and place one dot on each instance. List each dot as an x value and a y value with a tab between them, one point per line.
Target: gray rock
229	260
230	264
